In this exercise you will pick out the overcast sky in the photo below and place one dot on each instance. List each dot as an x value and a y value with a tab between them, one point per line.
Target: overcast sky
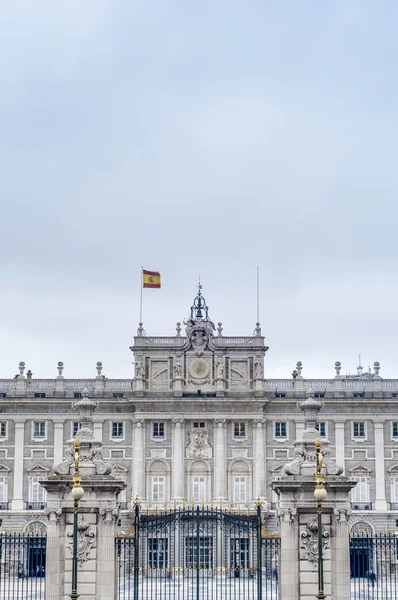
198	137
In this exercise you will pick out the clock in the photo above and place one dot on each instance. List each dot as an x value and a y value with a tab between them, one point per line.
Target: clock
199	368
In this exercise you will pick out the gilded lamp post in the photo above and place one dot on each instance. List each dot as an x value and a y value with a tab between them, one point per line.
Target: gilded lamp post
320	495
77	494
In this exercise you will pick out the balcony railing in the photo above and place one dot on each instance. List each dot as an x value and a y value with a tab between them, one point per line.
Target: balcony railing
3	505
361	506
36	505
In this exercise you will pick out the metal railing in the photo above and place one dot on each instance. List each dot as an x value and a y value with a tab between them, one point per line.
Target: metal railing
35	505
374	566
22	566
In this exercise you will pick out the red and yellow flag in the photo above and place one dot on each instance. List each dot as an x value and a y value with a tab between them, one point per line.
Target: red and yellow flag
150	279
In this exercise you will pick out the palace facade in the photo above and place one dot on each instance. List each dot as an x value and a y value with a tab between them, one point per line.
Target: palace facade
199	423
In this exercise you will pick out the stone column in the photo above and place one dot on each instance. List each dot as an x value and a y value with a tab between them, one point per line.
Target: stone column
138	467
341	580
178	460
106	554
339	443
259	463
380	503
220	466
53	555
18	500
289	552
58	441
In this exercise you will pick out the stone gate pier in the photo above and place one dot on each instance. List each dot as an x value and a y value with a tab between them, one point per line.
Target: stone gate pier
98	512
298	568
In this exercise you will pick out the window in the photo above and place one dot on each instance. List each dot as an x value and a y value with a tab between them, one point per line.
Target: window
358	429
395	429
3	394
40	395
198	424
37	492
198	491
394	490
118	395
240	430
117	430
239	489
158	430
3	489
3	429
360	493
321	427
157	489
158	552
359	394
280	429
77	394
39	429
319	395
280	395
75	428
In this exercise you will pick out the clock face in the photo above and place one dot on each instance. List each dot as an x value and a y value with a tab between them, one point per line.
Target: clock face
199	368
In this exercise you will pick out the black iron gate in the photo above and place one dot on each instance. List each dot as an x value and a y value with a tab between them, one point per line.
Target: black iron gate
22	565
197	554
374	566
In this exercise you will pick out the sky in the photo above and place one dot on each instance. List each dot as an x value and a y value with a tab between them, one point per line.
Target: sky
198	139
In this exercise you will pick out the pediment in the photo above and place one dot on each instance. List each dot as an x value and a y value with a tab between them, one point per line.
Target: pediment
359	469
38	469
4	468
393	470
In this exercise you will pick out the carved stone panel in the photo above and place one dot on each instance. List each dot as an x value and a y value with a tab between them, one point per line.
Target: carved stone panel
199	446
239	375
159	375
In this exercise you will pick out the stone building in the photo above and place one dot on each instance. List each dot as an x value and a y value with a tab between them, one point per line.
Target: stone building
200	422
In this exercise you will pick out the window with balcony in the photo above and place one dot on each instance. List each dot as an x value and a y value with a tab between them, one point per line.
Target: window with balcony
360	493
158	485
198	489
37	494
3	429
198	424
239	489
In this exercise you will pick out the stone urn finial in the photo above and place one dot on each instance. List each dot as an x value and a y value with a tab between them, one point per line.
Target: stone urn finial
21	368
337	366
376	366
60	367
99	368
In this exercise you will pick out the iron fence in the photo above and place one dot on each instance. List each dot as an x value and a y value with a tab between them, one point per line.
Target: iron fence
22	566
374	566
197	554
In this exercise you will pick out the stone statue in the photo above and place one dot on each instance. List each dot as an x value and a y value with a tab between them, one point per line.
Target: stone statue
177	369
139	369
259	372
220	369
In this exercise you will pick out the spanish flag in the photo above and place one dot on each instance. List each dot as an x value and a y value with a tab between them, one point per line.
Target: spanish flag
150	279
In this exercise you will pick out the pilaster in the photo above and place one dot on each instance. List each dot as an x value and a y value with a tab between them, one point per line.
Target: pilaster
259	461
58	441
138	466
17	501
178	460
380	503
220	465
339	427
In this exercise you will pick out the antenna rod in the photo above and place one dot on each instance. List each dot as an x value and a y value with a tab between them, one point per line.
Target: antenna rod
258	294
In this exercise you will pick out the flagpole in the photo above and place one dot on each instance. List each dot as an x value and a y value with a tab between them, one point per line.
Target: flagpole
142	285
258	294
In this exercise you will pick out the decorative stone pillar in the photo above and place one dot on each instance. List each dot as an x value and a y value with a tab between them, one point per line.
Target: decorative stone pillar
138	466
380	503
259	461
99	384
220	376
17	500
220	465
178	460
258	376
298	518
98	510
60	381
